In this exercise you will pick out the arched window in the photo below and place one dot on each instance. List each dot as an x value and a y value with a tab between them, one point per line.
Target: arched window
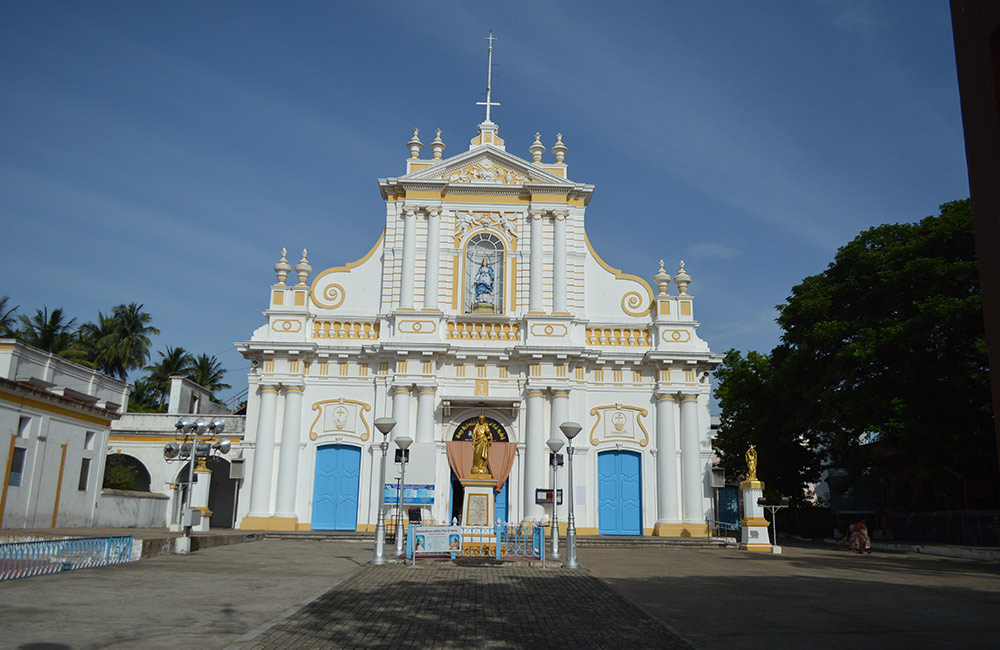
484	272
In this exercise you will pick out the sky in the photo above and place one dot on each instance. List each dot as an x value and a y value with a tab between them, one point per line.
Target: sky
164	153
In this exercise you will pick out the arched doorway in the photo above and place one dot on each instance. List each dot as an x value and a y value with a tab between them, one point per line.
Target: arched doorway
500	499
124	472
619	493
335	487
222	494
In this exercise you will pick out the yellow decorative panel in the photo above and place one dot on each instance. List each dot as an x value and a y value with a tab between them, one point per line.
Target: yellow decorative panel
324	367
269	365
664	308
401	366
300	298
460	370
428	367
580	372
675	336
417	326
293	366
637	376
599	375
287	326
664	374
619	422
485	171
340	417
277	297
482	387
685	308
504	372
363	369
344	369
480	371
549	329
689	376
383	367
536	370
561	370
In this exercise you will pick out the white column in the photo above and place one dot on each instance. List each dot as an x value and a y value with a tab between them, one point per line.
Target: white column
667	503
409	260
691	469
288	461
263	455
560	414
425	414
199	494
535	271
400	411
534	455
432	258
559	263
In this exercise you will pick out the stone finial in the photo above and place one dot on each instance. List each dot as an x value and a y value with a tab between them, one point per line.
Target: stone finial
437	146
282	267
682	279
559	149
537	149
303	268
662	280
415	144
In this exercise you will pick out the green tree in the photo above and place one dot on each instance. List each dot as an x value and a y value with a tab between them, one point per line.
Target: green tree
753	401
48	331
173	361
126	344
882	364
144	397
8	321
208	372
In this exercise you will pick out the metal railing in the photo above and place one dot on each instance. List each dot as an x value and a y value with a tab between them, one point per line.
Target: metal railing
26	559
717	526
502	542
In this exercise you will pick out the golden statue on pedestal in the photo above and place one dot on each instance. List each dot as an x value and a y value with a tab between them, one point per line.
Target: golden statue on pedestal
751	464
481	441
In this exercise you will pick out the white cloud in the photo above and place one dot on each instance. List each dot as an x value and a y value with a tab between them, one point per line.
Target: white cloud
712	250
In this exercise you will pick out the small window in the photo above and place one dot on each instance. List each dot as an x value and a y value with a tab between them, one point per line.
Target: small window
88	442
84	474
23	426
16	467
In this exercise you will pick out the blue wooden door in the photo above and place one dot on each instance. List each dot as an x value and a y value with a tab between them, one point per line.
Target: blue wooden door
619	501
500	502
335	489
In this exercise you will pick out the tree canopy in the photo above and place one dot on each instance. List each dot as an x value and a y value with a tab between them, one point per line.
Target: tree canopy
882	366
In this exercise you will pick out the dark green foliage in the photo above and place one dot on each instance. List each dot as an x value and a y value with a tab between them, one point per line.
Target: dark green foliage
882	365
119	474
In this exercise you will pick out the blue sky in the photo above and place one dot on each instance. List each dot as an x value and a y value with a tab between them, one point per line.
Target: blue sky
165	152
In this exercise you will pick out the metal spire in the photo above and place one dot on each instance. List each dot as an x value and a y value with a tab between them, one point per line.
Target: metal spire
489	79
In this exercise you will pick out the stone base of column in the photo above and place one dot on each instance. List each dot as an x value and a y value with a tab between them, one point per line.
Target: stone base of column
664	529
270	523
754	536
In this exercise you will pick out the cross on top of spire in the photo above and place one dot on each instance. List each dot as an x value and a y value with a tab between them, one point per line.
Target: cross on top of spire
489	79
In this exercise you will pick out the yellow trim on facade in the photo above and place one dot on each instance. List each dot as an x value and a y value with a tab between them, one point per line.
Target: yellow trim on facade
6	476
548	198
166	438
485	198
49	408
681	530
59	482
269	523
347	267
619	275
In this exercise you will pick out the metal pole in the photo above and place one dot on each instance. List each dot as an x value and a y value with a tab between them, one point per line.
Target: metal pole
570	562
555	510
189	496
399	521
379	556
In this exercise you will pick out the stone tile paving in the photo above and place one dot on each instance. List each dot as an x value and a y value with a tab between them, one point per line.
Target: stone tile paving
446	605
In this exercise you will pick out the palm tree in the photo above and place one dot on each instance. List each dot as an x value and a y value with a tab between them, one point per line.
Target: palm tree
45	331
92	344
208	372
127	346
8	321
143	397
174	361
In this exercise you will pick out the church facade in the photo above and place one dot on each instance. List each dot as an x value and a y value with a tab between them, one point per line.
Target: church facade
482	297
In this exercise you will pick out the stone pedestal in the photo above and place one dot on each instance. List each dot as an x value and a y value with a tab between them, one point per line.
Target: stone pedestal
478	507
753	526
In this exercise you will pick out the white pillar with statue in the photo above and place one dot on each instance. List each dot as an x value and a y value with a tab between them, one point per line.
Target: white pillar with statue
753	526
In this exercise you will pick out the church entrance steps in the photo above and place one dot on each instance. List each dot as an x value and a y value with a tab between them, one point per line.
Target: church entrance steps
626	541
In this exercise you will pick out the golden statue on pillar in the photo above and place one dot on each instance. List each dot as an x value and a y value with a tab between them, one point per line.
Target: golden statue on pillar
481	441
751	464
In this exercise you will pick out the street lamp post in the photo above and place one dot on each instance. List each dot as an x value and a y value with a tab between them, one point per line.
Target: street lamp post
570	429
384	425
555	445
403	442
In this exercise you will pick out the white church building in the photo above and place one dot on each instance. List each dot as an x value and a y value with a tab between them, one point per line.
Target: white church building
482	296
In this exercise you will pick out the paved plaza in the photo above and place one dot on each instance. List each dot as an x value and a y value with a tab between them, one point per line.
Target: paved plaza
316	594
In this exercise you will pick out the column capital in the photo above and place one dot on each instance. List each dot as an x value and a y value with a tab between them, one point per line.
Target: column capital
269	387
410	210
293	387
688	397
401	389
537	214
433	212
560	392
427	388
560	215
663	397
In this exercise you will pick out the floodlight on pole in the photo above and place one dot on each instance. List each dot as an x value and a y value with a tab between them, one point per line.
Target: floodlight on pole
555	444
403	442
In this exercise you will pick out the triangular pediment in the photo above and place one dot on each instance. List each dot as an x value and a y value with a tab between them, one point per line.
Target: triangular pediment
485	165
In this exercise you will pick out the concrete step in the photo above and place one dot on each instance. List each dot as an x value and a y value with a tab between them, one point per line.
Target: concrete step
597	541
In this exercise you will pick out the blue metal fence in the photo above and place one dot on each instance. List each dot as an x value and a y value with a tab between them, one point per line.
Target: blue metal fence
502	542
25	559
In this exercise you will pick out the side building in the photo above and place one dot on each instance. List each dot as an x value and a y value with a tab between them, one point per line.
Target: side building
55	418
482	297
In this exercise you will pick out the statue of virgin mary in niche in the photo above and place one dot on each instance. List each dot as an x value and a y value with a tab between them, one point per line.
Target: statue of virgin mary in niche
483	287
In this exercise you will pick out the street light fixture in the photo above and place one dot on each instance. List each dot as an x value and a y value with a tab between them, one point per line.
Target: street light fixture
570	429
403	442
190	452
555	444
384	425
